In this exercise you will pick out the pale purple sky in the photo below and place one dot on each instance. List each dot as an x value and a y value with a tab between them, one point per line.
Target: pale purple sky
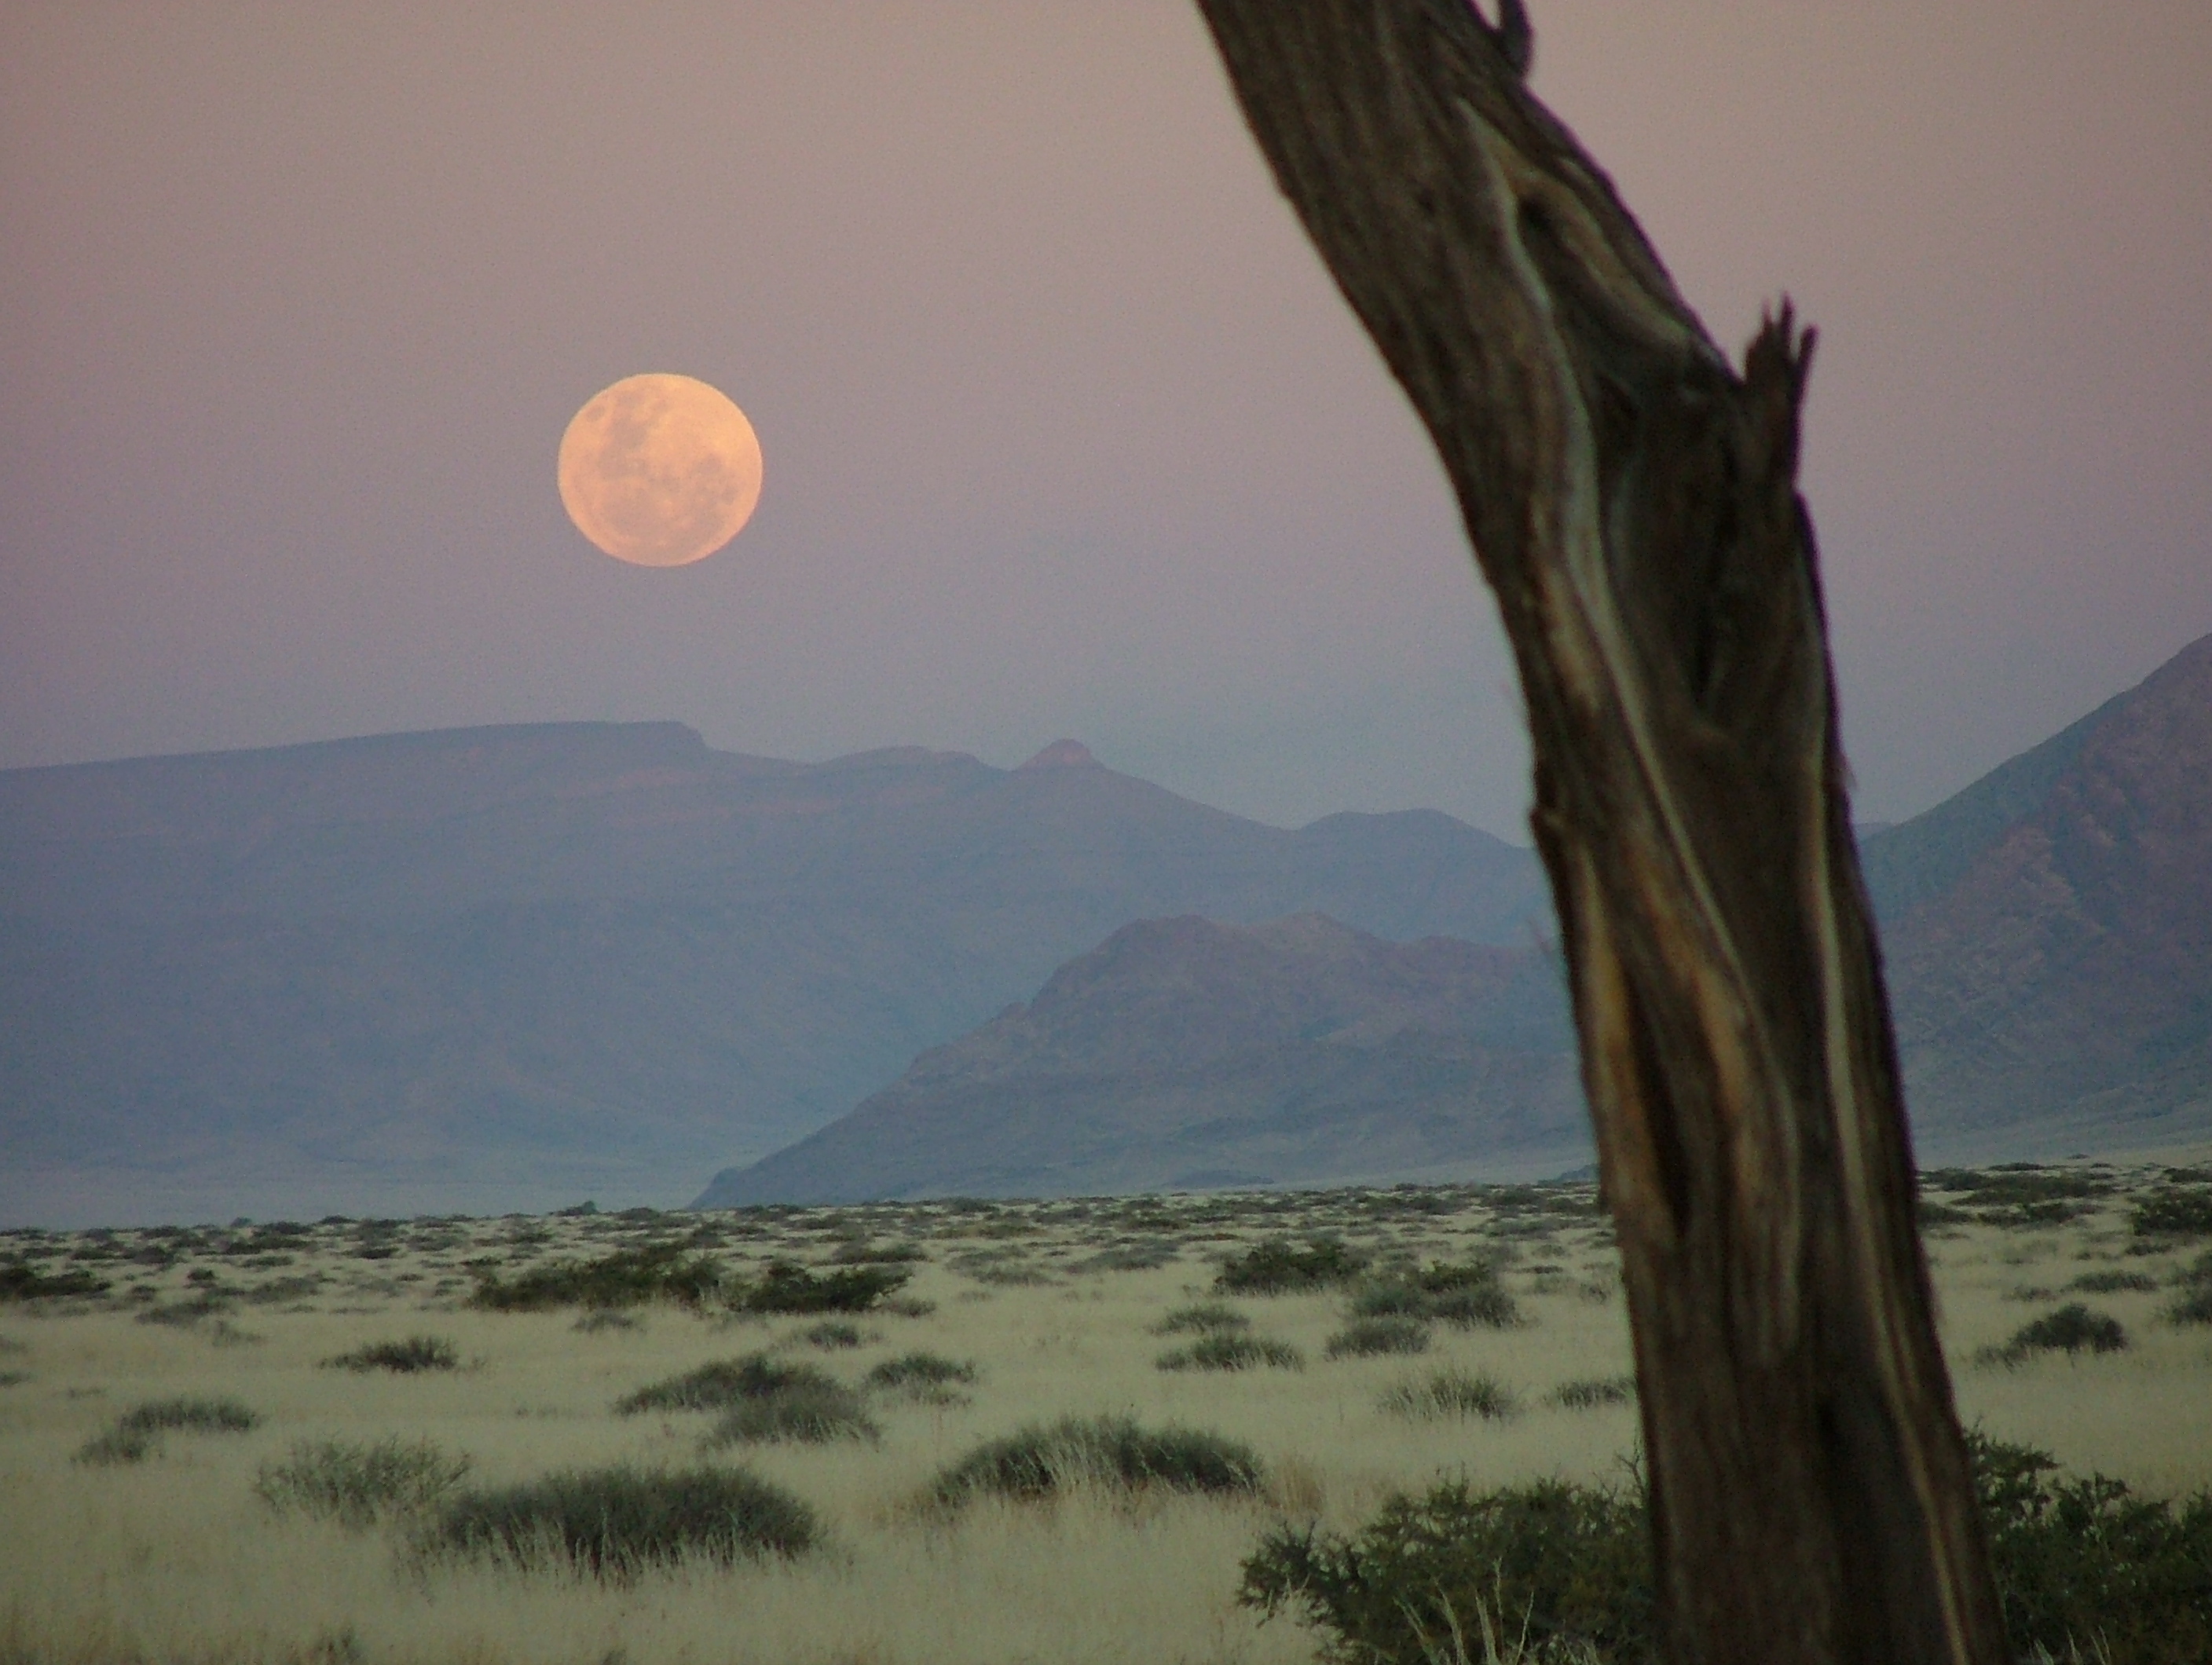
1066	432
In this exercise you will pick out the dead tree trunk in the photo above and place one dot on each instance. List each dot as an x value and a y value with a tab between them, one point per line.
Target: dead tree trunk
1632	501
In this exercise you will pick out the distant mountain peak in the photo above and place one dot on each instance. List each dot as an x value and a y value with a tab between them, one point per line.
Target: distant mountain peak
1063	754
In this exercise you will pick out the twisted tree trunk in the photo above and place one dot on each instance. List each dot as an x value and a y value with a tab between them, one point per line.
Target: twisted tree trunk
1632	501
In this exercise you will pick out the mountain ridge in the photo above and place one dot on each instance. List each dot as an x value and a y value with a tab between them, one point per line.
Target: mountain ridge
241	974
1182	1051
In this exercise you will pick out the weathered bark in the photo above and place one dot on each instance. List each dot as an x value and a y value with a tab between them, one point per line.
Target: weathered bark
1632	501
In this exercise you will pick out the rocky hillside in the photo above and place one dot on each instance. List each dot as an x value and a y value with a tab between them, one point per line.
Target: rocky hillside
1185	1052
2048	935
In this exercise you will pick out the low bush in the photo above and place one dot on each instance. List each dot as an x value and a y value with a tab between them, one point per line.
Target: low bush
137	1434
1590	1392
831	1335
1221	1350
2173	1211
812	1413
1207	1318
22	1282
929	1377
1466	1294
625	1277
867	1254
785	1286
2111	1283
1040	1460
2081	1562
405	1357
1364	1338
1451	1393
360	1484
760	1399
1280	1266
2084	1569
1130	1257
606	1318
2193	1305
721	1384
618	1522
1565	1566
2073	1328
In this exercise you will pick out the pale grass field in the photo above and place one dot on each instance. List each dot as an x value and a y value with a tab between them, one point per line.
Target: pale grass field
176	1559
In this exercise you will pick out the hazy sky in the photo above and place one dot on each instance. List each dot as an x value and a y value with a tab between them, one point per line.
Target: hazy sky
1066	432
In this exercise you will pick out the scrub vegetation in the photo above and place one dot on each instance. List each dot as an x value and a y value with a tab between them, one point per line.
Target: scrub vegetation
1250	1429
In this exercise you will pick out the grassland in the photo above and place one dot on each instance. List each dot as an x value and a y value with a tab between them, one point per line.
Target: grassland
243	1443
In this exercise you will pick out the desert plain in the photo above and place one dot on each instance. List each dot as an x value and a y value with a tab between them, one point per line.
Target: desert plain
193	1543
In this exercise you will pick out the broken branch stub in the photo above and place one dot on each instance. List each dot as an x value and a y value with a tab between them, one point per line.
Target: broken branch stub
1632	501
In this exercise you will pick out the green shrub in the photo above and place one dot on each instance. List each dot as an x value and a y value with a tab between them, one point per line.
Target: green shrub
721	1384
1451	1393
1364	1338
760	1399
926	1376
1207	1318
617	1522
1590	1392
606	1318
1280	1266
190	1414
137	1434
406	1358
2071	1329
19	1282
1224	1352
2083	1563
785	1286
1467	1295
1042	1459
625	1277
2083	1568
812	1413
2111	1283
2194	1305
866	1254
1567	1566
831	1335
357	1483
2173	1212
1130	1257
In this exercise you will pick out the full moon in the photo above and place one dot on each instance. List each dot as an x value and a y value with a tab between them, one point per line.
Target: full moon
659	471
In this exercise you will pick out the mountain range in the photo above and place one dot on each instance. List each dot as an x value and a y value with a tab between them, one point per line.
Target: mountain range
487	968
2048	935
510	966
1183	1053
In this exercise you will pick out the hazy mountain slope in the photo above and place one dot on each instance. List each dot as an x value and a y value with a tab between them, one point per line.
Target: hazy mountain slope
1185	1052
2057	991
497	967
